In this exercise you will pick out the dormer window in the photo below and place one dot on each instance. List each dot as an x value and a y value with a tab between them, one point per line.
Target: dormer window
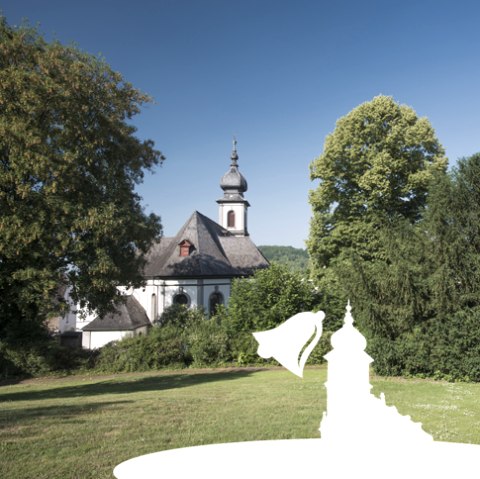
186	248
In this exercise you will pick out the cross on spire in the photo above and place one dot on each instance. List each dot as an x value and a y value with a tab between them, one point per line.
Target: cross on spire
234	156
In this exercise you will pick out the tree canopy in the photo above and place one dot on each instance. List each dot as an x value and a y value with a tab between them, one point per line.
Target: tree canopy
69	163
375	168
420	302
368	238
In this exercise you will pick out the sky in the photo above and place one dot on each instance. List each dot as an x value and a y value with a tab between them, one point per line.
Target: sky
276	74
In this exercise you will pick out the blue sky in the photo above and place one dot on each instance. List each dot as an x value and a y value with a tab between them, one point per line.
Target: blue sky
277	75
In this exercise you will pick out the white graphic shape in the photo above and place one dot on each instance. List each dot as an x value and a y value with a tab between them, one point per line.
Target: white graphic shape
285	342
360	435
302	459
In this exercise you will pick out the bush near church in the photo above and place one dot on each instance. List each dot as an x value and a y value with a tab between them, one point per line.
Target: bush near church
183	337
262	302
186	337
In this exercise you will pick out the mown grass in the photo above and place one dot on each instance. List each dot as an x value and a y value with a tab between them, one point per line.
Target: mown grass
81	427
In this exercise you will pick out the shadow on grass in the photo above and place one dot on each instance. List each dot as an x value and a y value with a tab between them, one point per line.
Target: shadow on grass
127	385
69	414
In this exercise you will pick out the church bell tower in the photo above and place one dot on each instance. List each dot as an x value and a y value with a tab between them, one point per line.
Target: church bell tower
233	206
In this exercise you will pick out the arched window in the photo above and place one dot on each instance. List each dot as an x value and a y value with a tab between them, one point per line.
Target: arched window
153	309
182	299
214	301
231	219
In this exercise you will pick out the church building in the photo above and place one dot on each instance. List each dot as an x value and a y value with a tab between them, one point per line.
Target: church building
195	268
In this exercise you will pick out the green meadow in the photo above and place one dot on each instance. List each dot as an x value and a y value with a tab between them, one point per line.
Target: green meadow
80	427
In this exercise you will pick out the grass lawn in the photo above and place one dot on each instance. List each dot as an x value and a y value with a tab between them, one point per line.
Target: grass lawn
81	427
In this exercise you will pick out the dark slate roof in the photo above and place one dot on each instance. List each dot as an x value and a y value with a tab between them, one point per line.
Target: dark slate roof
216	253
128	316
243	255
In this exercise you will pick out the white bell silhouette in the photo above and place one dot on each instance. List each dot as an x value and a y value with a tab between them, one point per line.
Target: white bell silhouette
285	342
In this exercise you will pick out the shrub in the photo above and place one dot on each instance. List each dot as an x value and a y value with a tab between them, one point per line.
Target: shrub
27	361
208	343
263	302
322	348
46	356
163	346
181	316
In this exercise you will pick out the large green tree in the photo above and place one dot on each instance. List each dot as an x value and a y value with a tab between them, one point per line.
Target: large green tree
69	163
420	302
452	225
374	170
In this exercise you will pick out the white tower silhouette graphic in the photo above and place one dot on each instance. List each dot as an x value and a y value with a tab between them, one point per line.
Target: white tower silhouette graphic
354	415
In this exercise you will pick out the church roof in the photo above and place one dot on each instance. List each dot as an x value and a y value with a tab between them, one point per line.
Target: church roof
128	316
215	252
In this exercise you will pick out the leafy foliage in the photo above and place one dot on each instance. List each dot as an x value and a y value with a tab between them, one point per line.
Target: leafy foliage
391	300
453	226
69	162
161	347
41	357
263	302
181	316
208	343
375	168
390	292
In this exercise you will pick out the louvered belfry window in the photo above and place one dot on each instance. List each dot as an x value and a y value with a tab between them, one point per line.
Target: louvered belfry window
231	219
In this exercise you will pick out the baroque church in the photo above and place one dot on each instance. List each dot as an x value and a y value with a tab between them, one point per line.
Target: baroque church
195	268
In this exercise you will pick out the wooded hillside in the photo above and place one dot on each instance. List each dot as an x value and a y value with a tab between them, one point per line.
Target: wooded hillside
295	258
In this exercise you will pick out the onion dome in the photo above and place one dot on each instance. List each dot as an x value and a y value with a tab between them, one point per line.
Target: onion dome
348	338
233	182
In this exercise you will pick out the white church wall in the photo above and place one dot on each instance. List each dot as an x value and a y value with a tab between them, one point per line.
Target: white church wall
211	286
188	287
97	339
165	292
197	291
144	297
68	322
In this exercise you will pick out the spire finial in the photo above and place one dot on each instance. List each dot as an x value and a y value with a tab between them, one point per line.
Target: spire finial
348	317
234	156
